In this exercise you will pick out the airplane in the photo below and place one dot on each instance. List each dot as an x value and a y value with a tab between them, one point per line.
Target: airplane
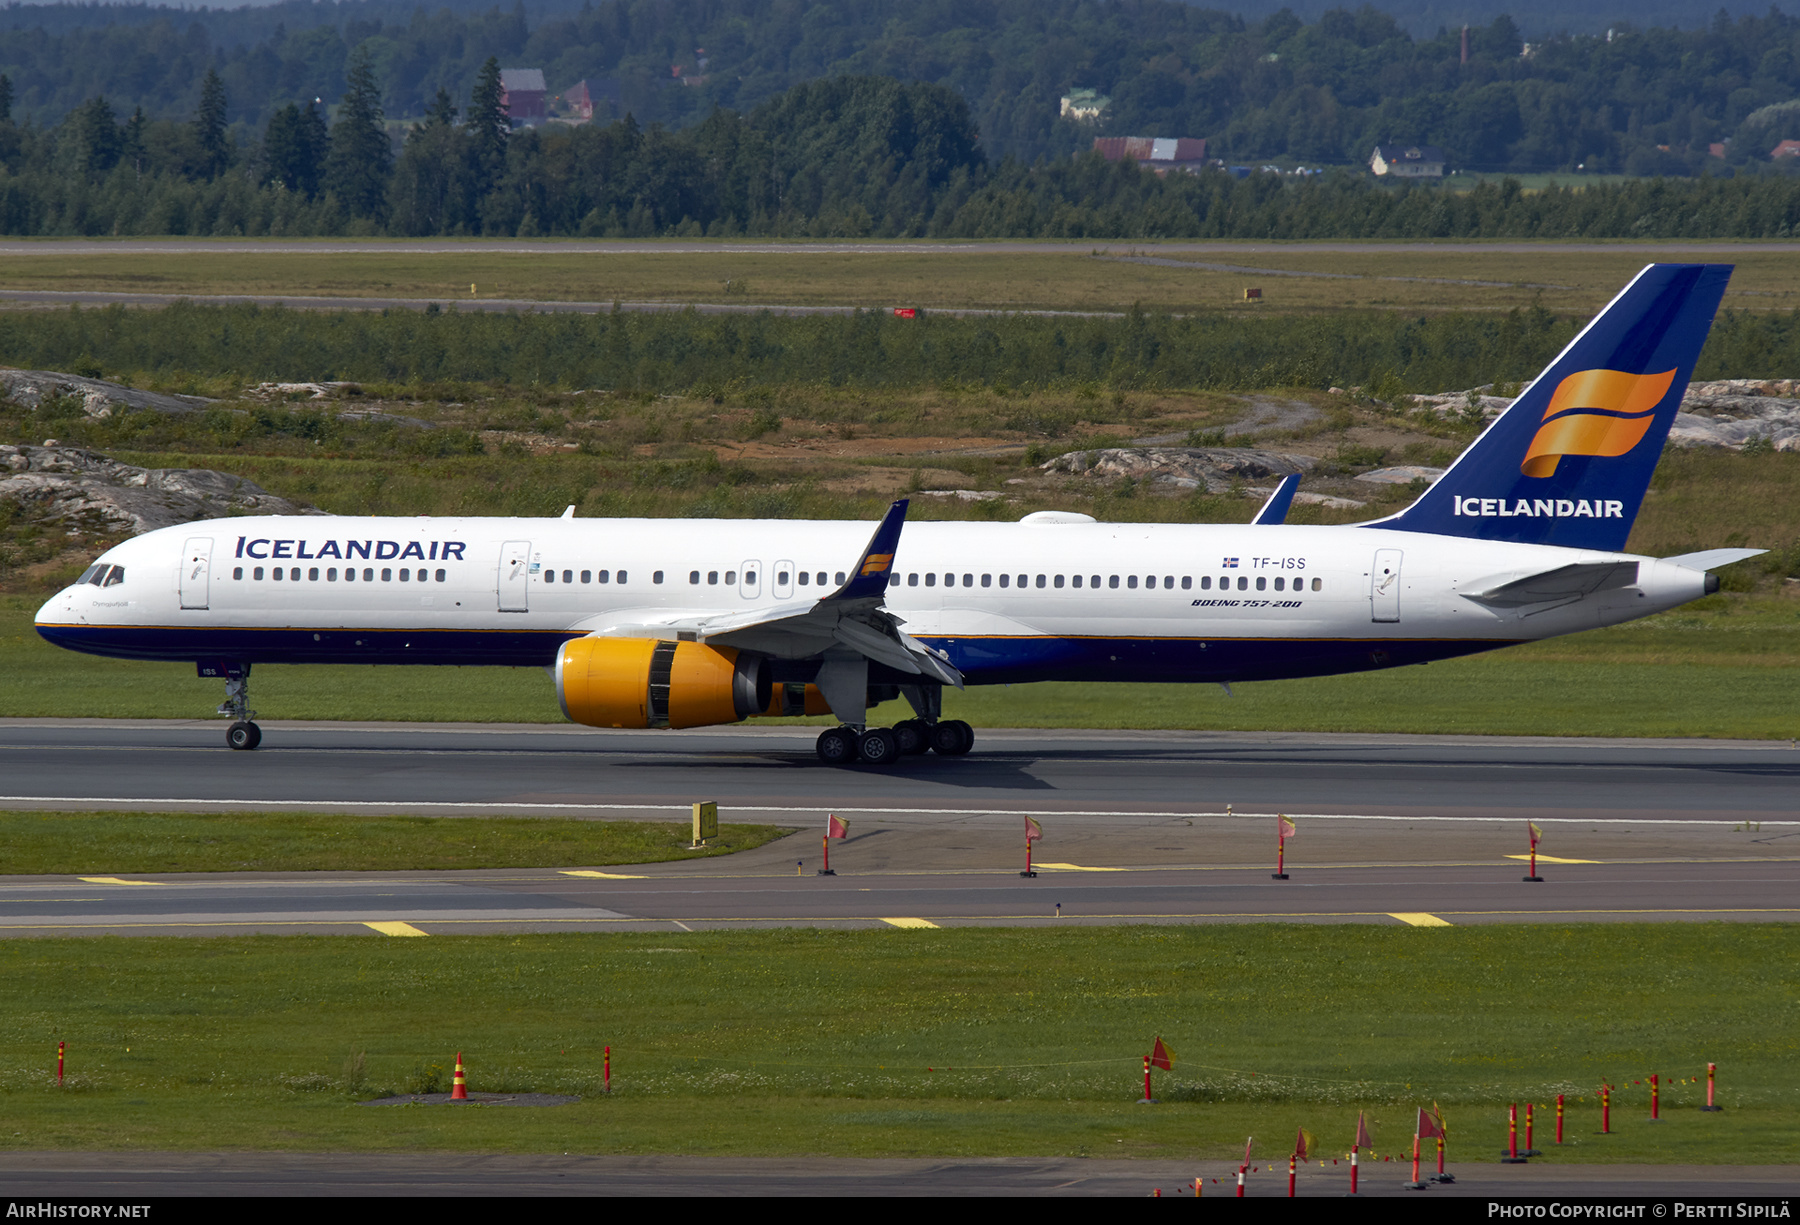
684	623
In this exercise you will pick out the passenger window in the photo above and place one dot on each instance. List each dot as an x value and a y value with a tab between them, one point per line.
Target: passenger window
694	577
1261	583
1206	582
1113	581
387	575
968	580
1243	583
805	576
621	577
1058	582
1168	582
368	574
257	574
731	578
331	575
275	574
312	575
712	578
781	578
987	580
931	579
1317	584
1040	581
238	573
440	576
587	576
1005	579
1076	580
1024	580
1187	582
1131	581
1093	582
1280	583
749	577
656	577
840	578
405	576
603	576
549	576
821	578
350	574
568	576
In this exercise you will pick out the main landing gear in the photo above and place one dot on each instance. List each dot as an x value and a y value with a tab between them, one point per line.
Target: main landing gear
243	732
882	746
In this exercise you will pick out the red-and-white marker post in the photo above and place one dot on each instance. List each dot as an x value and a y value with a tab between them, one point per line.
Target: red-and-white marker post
61	1047
1606	1110
1362	1141
1303	1146
1159	1057
1248	1141
1536	833
835	827
606	1072
1415	1184
1033	831
1709	1090
1530	1148
1559	1118
1284	829
1655	1099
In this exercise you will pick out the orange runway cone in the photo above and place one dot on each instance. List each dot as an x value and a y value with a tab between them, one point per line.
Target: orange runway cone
459	1087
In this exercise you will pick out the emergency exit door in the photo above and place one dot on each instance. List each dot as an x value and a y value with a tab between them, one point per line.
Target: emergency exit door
1384	586
515	576
196	572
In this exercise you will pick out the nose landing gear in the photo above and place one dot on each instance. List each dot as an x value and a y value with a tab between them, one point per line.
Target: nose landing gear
243	732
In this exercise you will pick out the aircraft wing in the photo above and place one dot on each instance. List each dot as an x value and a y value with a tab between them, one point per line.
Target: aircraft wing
1569	582
854	617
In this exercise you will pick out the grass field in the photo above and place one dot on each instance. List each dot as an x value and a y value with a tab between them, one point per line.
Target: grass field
53	843
977	1041
1082	276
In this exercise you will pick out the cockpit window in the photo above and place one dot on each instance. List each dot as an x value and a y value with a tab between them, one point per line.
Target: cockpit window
114	576
90	575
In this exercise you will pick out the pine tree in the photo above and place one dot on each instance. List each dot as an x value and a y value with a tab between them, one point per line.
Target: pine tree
361	156
6	97
98	132
209	128
132	147
488	124
295	146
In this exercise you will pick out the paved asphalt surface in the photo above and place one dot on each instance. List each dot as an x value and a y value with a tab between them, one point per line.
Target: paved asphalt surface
143	1175
332	246
1140	827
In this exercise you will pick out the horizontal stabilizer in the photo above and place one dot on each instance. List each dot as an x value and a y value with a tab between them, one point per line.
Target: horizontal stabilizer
1712	559
1563	583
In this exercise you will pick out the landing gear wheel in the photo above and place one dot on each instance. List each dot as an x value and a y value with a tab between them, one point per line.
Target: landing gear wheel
880	747
952	738
243	735
911	736
967	735
838	746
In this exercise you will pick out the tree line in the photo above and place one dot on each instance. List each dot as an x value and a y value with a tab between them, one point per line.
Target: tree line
838	157
1630	98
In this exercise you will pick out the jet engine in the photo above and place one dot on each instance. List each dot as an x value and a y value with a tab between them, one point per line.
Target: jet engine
646	682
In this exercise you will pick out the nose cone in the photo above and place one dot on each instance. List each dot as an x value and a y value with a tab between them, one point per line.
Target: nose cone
53	615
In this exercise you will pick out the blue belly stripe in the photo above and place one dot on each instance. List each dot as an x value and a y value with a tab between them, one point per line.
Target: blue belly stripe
982	661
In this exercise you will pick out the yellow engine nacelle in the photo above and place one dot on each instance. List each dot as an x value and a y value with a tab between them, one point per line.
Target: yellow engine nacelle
646	682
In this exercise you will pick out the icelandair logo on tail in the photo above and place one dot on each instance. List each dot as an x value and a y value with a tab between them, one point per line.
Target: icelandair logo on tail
1594	412
877	563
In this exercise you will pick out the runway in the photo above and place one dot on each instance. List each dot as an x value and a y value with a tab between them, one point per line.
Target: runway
1139	828
104	1176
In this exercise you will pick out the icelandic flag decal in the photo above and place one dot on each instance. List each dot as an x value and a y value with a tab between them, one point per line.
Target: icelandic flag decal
1230	563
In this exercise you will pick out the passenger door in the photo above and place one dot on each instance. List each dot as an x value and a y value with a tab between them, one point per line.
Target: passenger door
515	576
1384	586
196	572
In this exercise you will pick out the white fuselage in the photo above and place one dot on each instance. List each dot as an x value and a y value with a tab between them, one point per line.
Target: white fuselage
1007	602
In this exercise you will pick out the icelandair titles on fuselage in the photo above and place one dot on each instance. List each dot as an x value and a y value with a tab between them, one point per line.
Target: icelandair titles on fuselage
1538	508
377	550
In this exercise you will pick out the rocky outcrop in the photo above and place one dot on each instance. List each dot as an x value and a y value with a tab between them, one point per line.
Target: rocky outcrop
1402	474
33	388
84	489
1215	469
1725	413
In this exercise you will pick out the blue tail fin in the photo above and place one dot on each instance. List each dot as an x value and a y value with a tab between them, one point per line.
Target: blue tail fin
1569	462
